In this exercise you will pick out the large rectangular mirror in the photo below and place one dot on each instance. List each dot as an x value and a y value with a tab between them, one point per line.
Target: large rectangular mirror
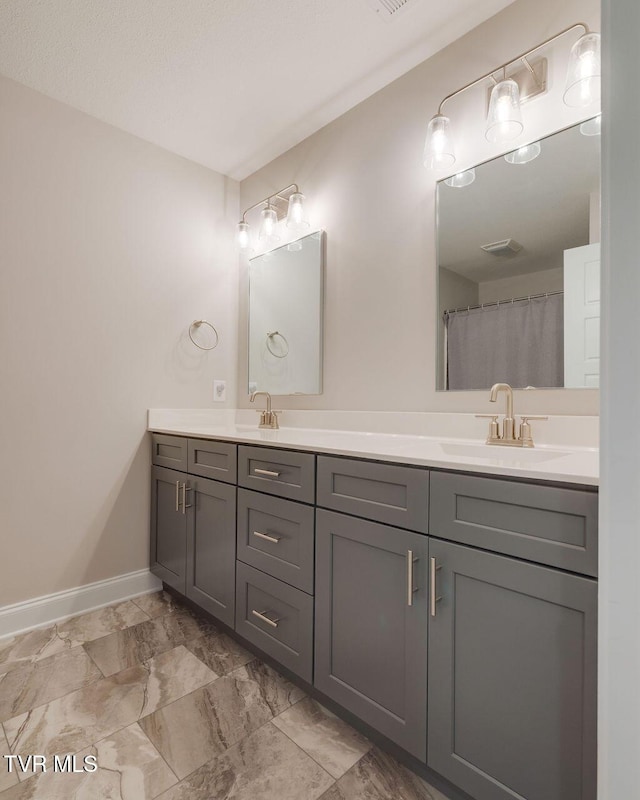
519	267
285	318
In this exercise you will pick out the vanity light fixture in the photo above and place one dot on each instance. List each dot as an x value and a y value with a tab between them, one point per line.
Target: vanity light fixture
462	179
504	120
269	220
525	154
296	214
583	76
438	149
288	201
243	235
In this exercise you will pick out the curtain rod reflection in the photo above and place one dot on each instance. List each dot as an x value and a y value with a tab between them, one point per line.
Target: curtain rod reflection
501	302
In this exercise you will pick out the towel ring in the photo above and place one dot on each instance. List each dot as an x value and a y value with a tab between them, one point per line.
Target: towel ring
270	336
196	324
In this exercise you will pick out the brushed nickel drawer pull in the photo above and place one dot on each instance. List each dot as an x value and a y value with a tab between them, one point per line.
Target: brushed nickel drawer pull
411	590
261	615
274	539
177	495
433	597
268	472
185	489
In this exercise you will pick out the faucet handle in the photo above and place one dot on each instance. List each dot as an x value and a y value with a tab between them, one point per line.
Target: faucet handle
525	430
494	430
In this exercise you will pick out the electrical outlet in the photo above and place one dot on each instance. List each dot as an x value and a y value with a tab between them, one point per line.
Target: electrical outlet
219	391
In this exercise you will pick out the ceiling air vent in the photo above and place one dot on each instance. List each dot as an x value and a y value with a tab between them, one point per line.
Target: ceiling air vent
390	9
506	247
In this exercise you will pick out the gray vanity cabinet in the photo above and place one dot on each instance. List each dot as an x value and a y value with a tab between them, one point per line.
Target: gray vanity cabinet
512	677
371	624
193	521
211	550
168	528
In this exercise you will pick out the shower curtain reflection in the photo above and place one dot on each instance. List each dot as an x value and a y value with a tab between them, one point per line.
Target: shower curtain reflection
520	343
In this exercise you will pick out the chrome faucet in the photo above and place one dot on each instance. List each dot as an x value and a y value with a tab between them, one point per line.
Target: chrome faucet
268	418
508	437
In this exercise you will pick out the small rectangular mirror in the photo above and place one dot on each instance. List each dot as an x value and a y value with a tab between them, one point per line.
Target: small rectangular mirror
519	267
285	318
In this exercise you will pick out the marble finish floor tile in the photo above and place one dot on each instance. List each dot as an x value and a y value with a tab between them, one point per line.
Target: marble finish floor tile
171	676
130	768
72	722
378	776
206	722
141	642
37	645
334	744
7	778
39	682
16	651
220	652
158	603
264	766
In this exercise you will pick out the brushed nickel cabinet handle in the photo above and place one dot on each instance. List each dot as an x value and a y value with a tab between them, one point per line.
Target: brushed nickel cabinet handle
433	595
268	472
185	489
177	495
411	590
274	539
261	615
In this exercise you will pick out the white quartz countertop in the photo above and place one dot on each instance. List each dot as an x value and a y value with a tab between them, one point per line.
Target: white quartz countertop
577	465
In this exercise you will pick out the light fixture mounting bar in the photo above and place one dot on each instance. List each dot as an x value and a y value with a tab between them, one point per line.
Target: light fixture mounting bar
276	195
522	57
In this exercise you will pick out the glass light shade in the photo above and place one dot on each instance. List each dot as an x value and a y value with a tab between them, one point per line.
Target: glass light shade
438	148
243	235
504	121
268	226
462	179
523	155
592	127
583	75
296	215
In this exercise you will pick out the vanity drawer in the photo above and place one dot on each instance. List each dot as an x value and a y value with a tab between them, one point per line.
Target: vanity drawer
277	537
277	618
386	493
217	460
546	524
169	451
282	472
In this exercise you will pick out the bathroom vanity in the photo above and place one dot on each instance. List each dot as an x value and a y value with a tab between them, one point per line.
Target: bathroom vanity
453	612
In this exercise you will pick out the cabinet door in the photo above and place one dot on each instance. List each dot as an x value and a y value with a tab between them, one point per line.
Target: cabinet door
168	527
211	546
371	628
512	677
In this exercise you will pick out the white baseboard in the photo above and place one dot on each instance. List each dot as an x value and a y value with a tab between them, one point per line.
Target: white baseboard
46	610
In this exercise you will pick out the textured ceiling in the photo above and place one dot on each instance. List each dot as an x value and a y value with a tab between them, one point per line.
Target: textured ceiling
230	84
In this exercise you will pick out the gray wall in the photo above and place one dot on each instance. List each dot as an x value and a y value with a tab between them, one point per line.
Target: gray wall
548	280
366	186
619	670
111	247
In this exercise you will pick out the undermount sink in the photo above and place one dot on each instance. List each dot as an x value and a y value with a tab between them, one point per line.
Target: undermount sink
523	454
